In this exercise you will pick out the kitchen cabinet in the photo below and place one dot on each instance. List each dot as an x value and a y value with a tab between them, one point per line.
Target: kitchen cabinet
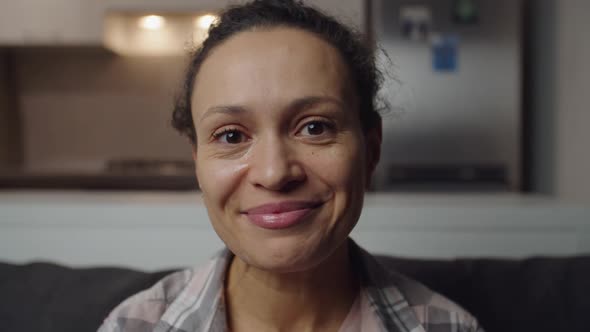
79	22
56	22
350	10
76	22
11	22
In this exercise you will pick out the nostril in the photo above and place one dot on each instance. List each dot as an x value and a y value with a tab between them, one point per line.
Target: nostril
277	168
283	187
291	185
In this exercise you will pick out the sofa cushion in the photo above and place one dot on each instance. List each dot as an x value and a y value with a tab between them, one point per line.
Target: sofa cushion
536	294
42	297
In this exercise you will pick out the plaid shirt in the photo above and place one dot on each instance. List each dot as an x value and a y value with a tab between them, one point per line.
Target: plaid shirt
193	300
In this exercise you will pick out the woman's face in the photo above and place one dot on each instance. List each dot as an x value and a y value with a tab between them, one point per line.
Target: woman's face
280	155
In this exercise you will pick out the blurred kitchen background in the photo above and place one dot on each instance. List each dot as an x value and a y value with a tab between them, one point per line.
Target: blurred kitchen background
486	132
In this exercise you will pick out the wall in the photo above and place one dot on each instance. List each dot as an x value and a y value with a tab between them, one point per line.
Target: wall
573	100
560	76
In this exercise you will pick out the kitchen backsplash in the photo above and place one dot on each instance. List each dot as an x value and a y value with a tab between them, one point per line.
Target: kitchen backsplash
82	107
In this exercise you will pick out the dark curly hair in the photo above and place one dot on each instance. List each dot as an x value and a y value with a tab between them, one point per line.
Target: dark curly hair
357	54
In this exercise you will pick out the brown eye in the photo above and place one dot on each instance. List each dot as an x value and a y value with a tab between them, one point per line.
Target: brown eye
230	136
314	128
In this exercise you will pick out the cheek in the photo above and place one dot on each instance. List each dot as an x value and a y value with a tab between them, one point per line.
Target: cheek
339	166
218	179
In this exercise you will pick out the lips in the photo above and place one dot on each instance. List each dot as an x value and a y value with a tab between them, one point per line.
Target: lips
280	215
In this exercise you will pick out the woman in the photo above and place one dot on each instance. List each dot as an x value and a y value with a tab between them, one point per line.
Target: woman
279	109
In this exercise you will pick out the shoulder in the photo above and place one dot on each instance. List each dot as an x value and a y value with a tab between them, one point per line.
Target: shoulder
408	304
144	311
434	311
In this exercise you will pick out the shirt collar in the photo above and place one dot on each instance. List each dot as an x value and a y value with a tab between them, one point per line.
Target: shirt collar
377	284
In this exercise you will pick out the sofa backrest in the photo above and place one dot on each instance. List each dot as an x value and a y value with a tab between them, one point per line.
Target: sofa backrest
537	294
43	297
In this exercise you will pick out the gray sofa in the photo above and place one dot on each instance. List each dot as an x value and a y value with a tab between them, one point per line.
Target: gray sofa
536	294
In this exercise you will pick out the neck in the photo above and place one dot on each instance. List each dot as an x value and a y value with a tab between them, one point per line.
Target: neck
317	299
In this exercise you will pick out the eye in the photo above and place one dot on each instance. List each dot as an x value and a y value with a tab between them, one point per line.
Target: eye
229	136
314	128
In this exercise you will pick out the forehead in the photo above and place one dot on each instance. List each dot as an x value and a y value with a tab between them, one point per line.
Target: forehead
269	67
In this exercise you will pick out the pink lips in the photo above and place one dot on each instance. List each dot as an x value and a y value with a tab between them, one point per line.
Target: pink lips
280	215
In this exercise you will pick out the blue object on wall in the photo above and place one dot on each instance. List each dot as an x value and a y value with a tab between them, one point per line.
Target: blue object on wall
445	53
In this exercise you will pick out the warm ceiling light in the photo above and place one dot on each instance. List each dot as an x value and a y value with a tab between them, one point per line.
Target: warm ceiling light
205	21
152	22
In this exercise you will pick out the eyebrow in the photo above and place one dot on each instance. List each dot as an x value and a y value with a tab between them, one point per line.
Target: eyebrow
296	105
229	109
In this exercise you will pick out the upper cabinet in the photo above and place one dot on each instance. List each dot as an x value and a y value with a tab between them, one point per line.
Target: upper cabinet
56	22
80	22
11	21
77	22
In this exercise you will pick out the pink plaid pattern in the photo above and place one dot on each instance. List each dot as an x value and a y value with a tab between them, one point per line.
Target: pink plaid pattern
192	300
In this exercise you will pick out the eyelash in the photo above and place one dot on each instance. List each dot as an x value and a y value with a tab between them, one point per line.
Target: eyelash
219	134
327	124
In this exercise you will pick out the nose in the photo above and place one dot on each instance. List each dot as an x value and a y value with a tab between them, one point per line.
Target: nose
275	166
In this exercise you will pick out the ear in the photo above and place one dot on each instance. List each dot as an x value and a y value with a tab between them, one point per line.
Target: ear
373	139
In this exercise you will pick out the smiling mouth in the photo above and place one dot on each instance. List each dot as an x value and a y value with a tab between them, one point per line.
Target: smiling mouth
281	215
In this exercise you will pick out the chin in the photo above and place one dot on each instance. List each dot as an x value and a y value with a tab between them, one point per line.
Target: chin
284	255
